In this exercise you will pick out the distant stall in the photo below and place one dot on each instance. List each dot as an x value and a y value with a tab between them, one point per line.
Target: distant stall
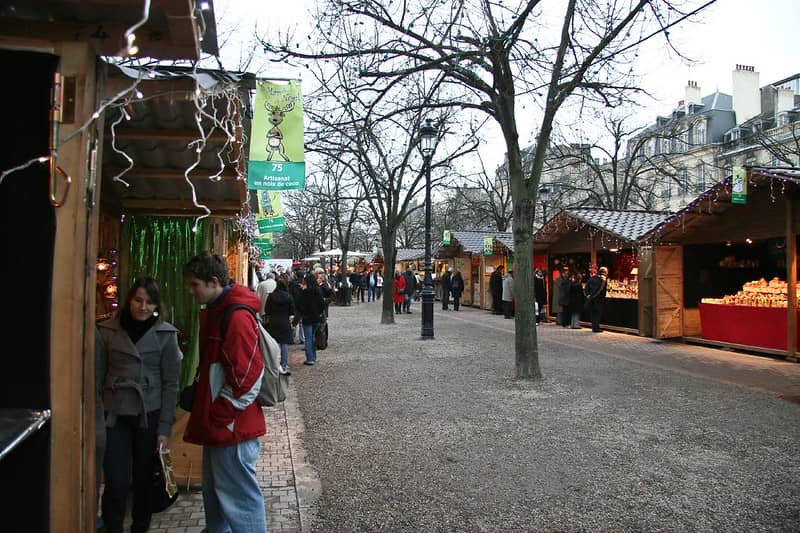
579	238
476	254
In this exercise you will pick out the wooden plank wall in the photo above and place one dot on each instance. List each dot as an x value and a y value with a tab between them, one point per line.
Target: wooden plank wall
668	291
72	465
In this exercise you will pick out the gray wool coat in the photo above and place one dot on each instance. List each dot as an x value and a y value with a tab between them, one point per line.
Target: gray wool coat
135	379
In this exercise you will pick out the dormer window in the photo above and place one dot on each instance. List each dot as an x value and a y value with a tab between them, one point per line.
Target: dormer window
699	133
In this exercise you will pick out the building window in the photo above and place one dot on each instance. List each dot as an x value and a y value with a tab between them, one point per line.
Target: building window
699	133
701	178
683	145
667	193
683	181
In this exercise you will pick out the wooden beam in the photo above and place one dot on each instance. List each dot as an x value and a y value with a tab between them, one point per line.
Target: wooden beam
153	134
180	205
170	173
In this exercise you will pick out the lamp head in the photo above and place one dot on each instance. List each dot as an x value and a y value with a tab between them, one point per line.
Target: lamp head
427	135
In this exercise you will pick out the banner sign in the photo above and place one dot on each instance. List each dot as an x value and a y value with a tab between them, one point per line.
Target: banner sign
263	243
739	186
270	212
277	161
278	265
488	246
446	237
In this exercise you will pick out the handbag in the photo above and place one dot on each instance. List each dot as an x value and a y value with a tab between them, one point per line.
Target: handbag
163	489
186	397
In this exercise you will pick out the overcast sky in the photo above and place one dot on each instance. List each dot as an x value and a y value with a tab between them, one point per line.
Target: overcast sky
761	33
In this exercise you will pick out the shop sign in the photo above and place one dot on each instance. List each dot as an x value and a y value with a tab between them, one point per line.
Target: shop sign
488	245
739	186
270	212
446	237
277	160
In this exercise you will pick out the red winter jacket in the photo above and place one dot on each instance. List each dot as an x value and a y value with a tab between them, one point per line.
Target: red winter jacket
230	371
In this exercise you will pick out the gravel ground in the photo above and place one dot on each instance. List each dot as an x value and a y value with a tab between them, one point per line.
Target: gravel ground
410	435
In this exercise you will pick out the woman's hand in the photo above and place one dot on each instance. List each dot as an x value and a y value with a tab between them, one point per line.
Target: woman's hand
163	442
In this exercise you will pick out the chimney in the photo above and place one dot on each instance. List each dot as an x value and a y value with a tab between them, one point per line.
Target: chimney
692	95
784	100
746	96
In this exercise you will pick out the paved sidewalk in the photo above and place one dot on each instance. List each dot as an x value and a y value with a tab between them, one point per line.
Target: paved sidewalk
289	484
354	421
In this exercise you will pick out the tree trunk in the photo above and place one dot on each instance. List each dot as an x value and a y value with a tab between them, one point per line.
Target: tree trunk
389	255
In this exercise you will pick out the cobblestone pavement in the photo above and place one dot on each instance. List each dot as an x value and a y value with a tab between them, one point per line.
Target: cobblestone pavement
291	486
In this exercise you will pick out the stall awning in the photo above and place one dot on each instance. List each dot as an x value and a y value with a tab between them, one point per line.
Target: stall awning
624	226
471	242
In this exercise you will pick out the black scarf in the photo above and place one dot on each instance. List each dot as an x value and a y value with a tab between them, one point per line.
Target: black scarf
135	328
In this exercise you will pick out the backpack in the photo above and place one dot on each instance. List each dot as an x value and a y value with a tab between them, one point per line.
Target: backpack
275	382
321	336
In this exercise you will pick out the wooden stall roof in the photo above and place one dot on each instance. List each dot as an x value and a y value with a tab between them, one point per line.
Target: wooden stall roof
471	242
627	226
174	29
156	147
766	185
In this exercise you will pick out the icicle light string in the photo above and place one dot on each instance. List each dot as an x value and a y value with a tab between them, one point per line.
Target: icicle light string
123	115
125	93
199	144
130	37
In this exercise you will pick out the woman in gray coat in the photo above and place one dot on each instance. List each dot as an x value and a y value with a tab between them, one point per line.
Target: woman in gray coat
138	364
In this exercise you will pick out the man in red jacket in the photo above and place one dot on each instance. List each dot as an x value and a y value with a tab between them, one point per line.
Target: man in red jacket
225	419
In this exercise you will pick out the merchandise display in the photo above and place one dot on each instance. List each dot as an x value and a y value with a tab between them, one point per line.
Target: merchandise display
623	289
760	293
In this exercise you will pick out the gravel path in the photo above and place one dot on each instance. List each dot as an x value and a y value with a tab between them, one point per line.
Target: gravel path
425	436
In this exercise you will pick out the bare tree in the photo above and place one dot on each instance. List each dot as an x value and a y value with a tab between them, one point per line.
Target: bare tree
485	55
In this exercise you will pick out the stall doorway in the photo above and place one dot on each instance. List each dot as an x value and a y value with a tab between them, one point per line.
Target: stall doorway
27	236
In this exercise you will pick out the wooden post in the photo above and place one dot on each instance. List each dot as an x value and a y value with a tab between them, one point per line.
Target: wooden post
791	283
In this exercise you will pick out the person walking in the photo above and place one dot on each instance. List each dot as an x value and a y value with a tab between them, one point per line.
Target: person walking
370	286
264	289
295	289
496	290
310	306
508	294
399	296
225	419
278	312
540	295
138	366
456	289
564	285
410	290
378	284
576	301
446	281
363	285
596	295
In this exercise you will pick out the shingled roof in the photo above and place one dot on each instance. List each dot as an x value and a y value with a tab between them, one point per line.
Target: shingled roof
472	241
625	225
409	254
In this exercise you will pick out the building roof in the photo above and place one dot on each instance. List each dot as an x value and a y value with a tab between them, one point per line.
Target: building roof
472	241
409	254
628	226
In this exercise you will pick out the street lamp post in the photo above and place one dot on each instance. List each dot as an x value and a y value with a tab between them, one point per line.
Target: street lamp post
544	194
427	135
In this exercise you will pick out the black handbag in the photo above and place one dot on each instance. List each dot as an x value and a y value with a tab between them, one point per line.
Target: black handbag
163	491
186	397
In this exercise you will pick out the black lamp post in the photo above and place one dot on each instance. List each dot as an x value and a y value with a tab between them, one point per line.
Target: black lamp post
544	194
427	134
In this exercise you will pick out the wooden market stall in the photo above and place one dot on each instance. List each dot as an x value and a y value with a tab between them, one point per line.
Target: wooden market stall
579	238
725	273
477	254
49	189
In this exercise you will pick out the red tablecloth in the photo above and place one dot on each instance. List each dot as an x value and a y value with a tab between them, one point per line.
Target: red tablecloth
752	326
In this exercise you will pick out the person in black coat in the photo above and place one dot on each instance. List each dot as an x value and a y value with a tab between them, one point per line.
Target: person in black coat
456	288
411	288
539	294
576	301
596	295
446	289
277	312
496	290
564	285
310	306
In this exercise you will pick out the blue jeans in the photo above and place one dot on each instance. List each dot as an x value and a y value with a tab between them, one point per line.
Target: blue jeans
407	303
310	330
284	355
370	294
231	495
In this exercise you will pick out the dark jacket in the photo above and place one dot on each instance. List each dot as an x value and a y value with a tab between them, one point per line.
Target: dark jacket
280	306
539	291
135	379
576	297
496	284
446	280
411	282
310	305
564	285
596	289
457	285
225	411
